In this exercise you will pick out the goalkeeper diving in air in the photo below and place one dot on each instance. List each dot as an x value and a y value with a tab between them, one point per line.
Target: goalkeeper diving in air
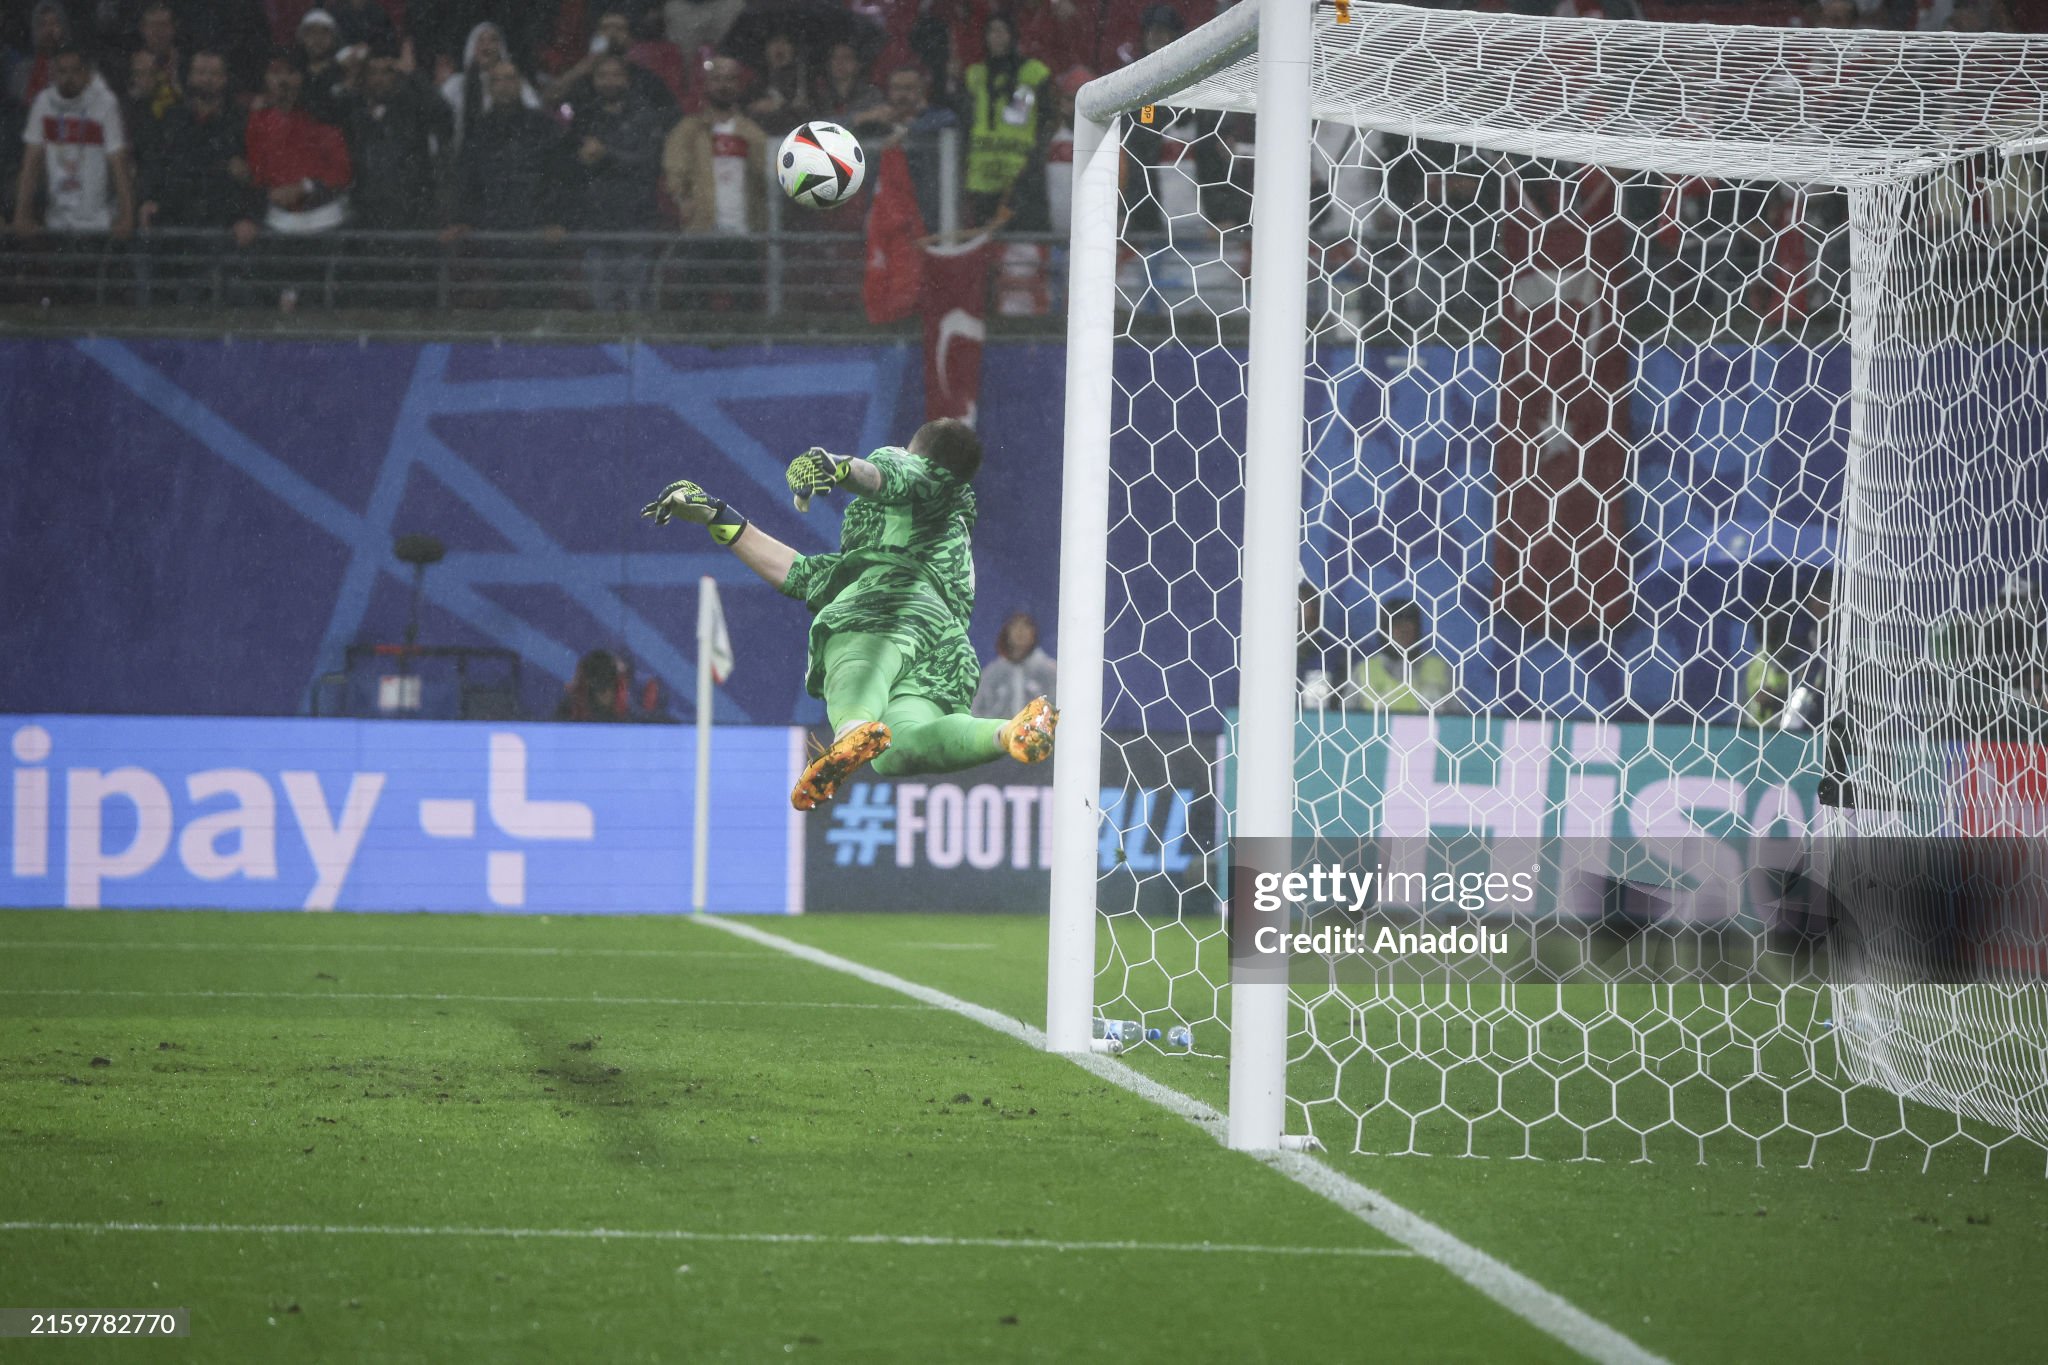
888	646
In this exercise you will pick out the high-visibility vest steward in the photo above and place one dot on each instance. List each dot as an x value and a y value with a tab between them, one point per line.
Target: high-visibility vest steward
1005	124
1420	686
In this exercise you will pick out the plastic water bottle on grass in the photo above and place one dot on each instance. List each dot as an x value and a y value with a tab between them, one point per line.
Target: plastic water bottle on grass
1115	1035
1180	1038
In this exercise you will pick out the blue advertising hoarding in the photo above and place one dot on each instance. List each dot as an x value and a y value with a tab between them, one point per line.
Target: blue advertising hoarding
982	840
389	815
289	466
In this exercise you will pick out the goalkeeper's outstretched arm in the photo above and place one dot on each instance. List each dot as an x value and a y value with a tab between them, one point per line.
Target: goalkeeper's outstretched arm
754	547
765	555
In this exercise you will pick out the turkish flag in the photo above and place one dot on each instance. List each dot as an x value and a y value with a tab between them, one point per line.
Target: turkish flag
955	303
895	270
1561	460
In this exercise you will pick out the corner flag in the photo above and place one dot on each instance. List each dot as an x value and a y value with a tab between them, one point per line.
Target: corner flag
711	634
714	666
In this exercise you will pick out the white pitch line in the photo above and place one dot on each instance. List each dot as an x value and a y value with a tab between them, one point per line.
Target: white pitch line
429	998
1543	1309
92	945
687	1235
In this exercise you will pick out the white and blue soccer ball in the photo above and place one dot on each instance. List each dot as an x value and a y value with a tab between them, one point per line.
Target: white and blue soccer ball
820	164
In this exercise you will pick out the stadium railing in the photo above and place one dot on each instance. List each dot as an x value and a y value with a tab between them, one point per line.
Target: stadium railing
802	283
777	282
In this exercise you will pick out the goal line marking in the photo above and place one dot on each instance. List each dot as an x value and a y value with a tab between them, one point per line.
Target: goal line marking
1543	1309
438	998
688	1235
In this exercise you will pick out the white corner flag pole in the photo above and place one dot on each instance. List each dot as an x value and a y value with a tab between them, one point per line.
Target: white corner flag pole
714	665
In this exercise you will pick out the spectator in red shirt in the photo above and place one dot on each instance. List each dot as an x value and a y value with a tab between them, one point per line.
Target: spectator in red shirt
299	163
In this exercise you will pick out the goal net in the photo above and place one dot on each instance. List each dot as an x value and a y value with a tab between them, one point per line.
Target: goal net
1672	460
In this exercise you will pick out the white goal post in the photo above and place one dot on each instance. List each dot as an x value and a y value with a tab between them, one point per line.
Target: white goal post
1266	802
1808	258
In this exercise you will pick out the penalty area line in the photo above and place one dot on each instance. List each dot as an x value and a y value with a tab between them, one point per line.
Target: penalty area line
1544	1309
883	1239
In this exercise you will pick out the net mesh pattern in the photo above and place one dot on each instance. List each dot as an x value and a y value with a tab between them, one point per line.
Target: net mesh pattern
1672	470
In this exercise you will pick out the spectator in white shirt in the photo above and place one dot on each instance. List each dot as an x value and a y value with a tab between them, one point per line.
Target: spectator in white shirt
468	91
1019	672
716	165
74	146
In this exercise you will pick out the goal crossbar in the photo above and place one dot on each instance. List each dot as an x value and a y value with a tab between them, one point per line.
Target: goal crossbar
1816	106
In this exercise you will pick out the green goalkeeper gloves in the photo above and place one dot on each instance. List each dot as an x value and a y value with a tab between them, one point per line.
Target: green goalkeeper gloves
685	501
816	471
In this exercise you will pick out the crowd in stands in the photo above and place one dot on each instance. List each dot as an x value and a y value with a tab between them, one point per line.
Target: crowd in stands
255	117
288	119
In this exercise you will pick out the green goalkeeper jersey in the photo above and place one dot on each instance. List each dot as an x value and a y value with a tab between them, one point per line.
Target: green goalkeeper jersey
904	571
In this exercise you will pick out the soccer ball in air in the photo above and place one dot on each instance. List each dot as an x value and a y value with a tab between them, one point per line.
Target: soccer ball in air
820	164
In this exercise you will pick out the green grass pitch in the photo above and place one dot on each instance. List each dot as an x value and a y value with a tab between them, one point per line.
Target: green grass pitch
392	1138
